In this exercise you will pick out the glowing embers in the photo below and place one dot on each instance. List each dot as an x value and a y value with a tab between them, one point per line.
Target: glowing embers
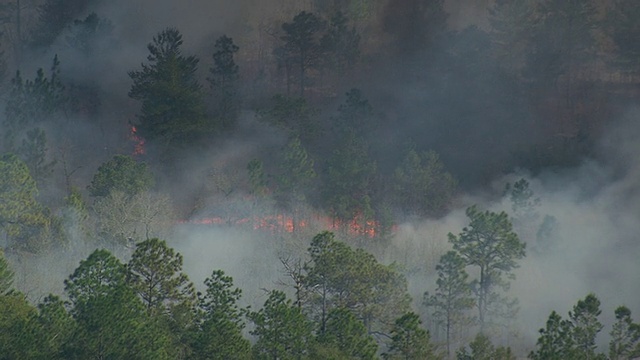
287	224
138	148
357	226
274	223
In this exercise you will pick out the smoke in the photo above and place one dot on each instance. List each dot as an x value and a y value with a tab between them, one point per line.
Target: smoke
591	245
248	257
473	124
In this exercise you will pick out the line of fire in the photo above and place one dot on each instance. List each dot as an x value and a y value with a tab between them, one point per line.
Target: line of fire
358	226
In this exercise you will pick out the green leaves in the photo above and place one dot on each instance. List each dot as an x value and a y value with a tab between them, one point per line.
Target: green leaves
32	101
16	339
88	35
350	175
555	341
302	48
350	171
353	279
18	191
453	296
482	349
296	174
155	274
421	186
282	331
625	336
225	70
54	328
489	243
348	334
220	335
575	338
6	275
257	178
25	221
34	153
292	114
100	275
223	79
121	173
409	341
172	100
341	44
111	319
355	115
586	326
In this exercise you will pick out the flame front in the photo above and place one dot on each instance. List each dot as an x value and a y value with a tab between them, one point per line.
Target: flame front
138	148
285	223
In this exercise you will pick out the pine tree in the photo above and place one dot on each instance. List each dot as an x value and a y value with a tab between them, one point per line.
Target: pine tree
25	222
341	44
556	341
341	277
54	17
223	79
301	47
112	321
6	275
586	326
172	111
348	334
296	174
34	153
121	173
453	296
220	334
32	102
155	274
421	186
625	336
282	331
489	244
482	349
409	341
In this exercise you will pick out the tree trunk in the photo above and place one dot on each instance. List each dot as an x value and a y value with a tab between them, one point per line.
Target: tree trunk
323	326
481	298
302	56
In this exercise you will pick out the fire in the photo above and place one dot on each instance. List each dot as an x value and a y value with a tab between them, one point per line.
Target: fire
138	148
274	223
284	223
358	226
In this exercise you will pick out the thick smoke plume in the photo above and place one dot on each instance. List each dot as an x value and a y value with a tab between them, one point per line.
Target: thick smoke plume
589	212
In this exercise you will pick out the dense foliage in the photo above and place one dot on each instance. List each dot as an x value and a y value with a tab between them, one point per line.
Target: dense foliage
329	121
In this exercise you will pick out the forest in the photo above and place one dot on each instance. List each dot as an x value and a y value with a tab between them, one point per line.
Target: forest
319	179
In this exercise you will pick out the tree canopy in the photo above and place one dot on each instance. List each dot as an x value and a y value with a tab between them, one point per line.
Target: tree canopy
172	112
121	173
489	244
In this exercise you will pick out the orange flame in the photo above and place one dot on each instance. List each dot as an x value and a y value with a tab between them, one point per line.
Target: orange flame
138	148
283	223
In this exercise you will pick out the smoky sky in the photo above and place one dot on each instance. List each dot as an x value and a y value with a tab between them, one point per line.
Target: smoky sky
455	102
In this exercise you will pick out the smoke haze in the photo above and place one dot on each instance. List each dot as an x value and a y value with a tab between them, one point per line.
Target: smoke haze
594	246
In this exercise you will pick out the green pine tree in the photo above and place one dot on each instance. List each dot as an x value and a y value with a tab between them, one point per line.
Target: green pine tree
220	334
409	341
172	113
489	244
281	330
453	296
